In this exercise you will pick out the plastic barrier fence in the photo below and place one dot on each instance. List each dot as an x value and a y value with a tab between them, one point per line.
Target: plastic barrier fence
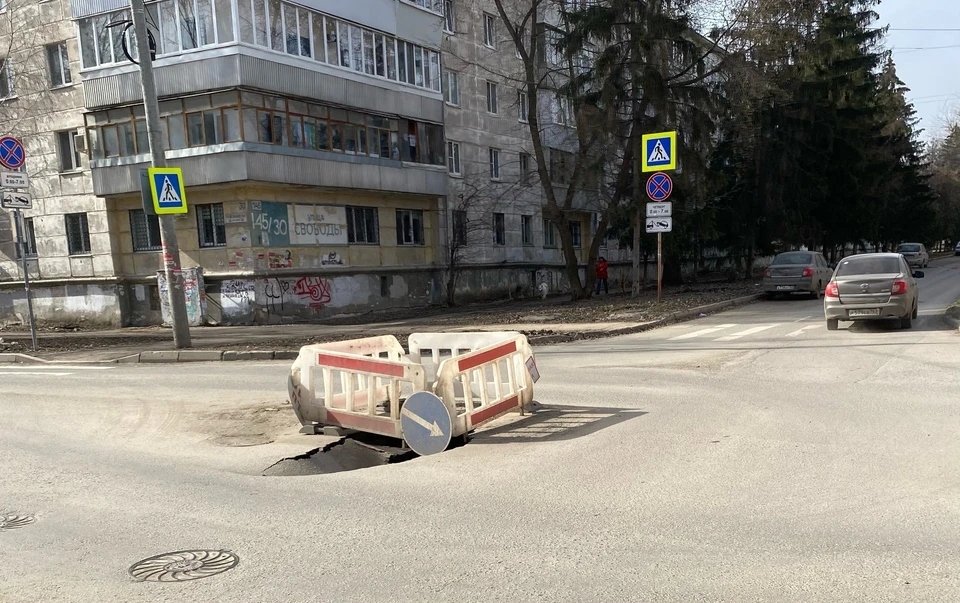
361	384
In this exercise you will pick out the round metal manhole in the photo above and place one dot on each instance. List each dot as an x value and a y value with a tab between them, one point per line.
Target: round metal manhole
12	522
181	566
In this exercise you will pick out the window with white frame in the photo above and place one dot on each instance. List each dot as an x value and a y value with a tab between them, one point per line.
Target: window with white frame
67	154
449	17
451	88
409	227
78	234
363	225
526	230
549	234
211	229
145	231
552	50
493	104
495	164
489	30
522	105
524	166
576	233
563	110
6	79
58	62
453	158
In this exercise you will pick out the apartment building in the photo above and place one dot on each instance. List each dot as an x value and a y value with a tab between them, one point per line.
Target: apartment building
333	153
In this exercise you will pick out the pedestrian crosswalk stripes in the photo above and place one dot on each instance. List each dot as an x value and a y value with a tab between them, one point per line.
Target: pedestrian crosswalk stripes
732	332
47	370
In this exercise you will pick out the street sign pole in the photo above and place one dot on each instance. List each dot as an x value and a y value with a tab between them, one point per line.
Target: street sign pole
21	231
659	267
168	230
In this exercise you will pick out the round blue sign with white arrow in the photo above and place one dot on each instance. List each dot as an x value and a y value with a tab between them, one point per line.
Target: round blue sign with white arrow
12	154
659	186
426	423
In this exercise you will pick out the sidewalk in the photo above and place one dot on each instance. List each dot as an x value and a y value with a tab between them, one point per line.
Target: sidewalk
543	321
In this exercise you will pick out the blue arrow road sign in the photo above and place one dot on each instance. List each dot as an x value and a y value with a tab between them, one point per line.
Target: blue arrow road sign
659	186
12	154
426	424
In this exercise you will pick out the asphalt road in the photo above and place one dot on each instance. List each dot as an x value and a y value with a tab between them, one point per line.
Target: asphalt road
747	456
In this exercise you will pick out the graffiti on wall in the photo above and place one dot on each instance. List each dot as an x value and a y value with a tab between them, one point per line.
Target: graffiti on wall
314	288
274	292
236	297
193	293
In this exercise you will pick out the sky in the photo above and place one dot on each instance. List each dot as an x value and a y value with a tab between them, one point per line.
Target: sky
927	61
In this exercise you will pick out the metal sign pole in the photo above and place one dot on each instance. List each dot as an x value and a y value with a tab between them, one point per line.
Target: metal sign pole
659	267
21	231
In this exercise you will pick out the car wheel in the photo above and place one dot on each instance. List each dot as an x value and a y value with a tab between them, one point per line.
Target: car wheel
906	322
916	312
833	324
817	290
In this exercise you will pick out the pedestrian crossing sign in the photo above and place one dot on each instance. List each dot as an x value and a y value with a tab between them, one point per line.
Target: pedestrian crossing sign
659	152
166	188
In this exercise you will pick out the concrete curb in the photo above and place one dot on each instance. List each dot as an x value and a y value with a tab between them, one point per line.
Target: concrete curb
177	356
681	316
952	316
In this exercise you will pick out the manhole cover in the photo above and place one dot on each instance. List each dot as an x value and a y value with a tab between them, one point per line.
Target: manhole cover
181	566
12	522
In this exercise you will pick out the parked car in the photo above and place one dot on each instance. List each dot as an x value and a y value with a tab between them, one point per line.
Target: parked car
916	254
956	250
872	286
797	272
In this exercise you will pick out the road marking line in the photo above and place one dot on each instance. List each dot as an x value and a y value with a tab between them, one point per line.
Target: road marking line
747	332
701	332
54	368
18	373
803	319
800	331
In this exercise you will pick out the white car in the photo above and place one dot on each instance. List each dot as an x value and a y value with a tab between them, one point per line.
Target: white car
915	254
956	250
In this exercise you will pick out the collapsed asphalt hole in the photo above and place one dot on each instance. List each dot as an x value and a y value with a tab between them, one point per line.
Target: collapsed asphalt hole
356	451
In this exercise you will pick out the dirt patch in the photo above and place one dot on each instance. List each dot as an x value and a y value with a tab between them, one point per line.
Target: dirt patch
242	426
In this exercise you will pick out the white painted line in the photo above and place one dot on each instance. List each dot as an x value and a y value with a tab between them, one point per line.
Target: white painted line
803	319
701	332
800	331
747	332
59	367
18	373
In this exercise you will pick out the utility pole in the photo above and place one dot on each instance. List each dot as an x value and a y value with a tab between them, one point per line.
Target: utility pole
168	231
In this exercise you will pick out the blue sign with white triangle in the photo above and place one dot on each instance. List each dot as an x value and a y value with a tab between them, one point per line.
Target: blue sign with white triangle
659	152
167	190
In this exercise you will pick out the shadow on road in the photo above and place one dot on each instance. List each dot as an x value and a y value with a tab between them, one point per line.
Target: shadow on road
555	423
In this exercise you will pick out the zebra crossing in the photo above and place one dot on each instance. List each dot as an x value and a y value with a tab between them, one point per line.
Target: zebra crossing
47	370
733	332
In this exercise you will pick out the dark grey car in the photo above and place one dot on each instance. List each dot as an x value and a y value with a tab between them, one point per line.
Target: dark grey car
797	272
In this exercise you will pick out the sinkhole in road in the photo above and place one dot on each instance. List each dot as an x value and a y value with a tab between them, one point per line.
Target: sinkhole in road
350	453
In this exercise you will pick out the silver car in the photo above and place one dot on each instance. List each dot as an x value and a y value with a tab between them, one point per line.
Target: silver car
797	272
872	286
916	254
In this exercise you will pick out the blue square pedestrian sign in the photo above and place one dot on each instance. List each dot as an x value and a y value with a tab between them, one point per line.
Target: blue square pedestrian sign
167	191
659	152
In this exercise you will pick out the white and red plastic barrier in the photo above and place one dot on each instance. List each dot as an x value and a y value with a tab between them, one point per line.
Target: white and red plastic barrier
361	384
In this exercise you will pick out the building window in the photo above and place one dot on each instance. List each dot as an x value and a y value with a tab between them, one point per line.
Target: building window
363	225
524	166
210	226
499	229
489	30
78	234
575	233
522	108
449	19
563	110
6	79
561	164
145	231
526	229
451	89
549	235
459	228
69	158
453	158
59	64
495	164
29	238
493	105
409	227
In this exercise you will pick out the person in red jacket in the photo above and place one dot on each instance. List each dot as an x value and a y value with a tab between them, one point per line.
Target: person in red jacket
602	275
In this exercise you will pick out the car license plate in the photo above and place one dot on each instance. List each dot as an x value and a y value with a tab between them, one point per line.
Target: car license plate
867	312
784	287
